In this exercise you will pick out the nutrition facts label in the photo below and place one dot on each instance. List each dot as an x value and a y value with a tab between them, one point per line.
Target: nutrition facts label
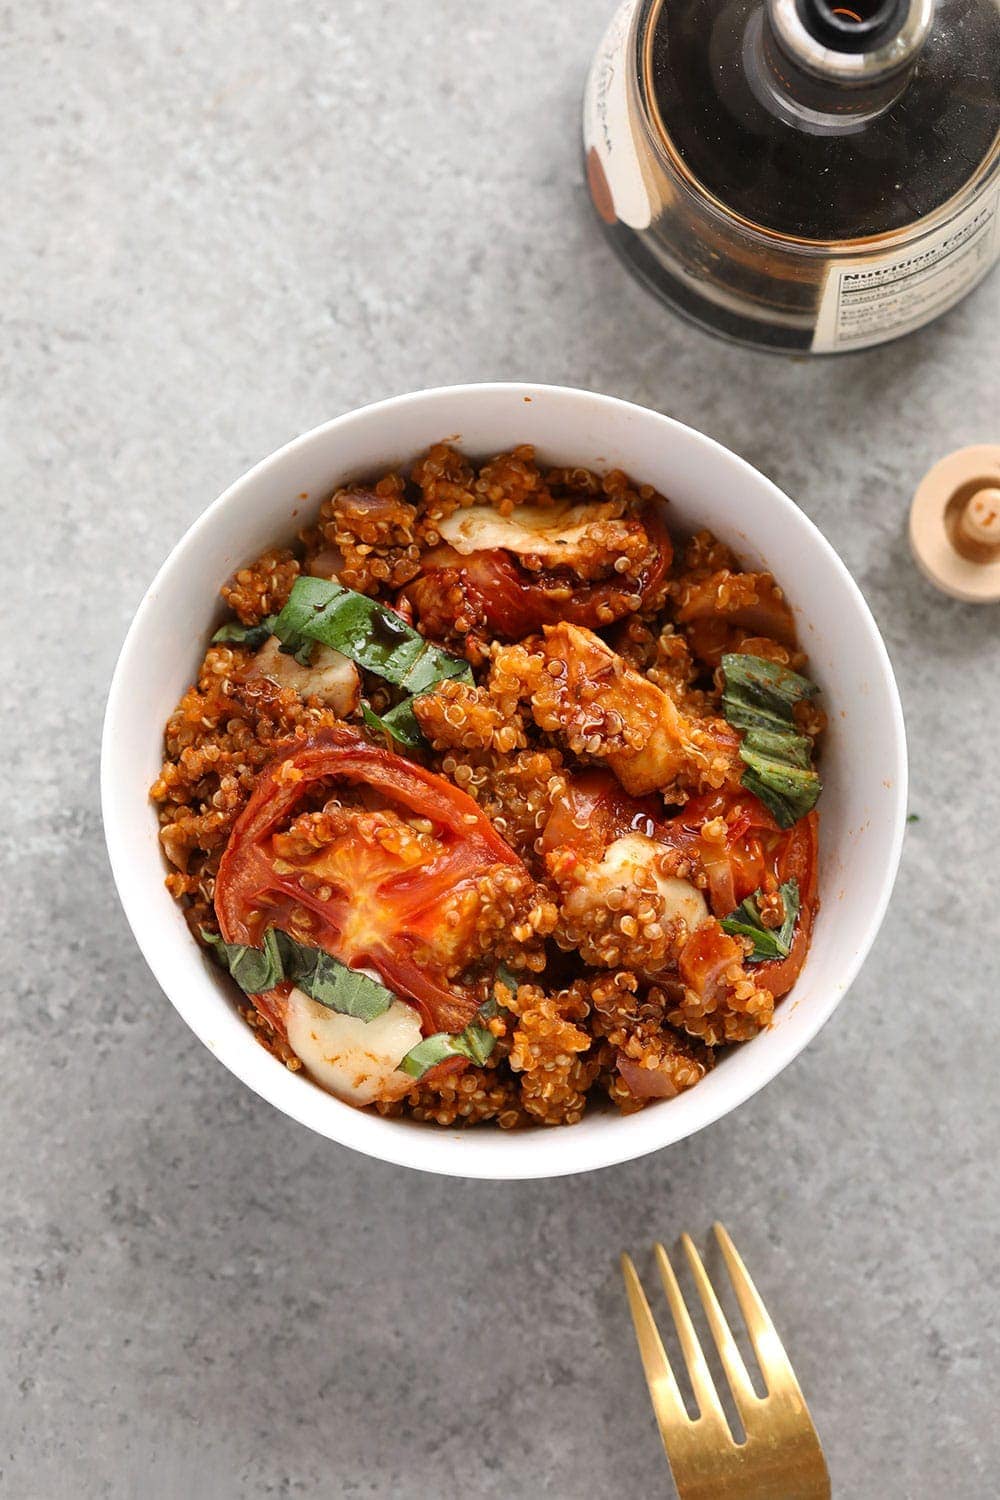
877	297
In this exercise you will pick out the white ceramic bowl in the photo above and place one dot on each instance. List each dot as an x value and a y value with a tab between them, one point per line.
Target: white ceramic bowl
864	758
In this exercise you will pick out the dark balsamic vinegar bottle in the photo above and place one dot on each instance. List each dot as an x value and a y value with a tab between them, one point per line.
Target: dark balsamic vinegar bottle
801	175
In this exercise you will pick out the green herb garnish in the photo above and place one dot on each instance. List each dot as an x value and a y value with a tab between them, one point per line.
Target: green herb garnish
475	1043
399	723
761	694
319	976
759	697
373	636
768	942
251	636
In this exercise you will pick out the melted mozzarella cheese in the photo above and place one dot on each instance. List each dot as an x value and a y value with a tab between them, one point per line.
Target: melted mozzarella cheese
633	852
330	676
549	532
356	1060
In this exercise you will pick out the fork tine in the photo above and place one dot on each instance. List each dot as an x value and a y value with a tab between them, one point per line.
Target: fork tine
699	1374
744	1395
774	1362
663	1391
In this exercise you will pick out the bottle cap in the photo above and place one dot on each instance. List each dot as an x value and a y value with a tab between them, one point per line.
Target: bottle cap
955	524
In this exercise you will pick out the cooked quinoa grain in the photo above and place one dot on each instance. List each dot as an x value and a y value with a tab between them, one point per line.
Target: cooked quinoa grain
550	853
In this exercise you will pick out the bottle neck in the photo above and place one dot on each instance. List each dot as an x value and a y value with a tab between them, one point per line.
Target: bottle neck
828	67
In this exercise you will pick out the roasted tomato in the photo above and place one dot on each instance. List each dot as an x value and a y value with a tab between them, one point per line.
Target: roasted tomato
378	862
747	852
511	585
799	857
753	854
594	811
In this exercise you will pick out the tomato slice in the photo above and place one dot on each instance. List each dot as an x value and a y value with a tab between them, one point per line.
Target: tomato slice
594	811
754	854
388	878
492	588
744	859
799	858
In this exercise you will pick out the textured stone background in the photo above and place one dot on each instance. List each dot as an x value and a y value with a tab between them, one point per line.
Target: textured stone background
223	224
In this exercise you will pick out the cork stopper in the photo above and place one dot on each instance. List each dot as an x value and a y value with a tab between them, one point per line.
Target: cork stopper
955	524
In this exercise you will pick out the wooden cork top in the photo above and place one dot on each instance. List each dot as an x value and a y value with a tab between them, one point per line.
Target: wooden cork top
955	524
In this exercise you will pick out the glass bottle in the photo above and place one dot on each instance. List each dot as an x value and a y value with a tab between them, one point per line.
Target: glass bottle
800	175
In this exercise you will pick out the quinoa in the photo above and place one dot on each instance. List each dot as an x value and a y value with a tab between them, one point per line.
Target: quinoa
590	735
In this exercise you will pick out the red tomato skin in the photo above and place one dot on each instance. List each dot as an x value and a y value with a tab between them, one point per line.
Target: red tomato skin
250	894
800	858
512	601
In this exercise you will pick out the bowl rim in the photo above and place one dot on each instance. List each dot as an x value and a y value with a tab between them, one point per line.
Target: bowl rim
414	1146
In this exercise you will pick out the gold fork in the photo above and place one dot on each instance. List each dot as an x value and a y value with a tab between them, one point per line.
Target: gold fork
781	1457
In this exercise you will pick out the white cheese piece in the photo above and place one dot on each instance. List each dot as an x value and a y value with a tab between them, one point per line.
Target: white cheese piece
356	1060
633	852
330	676
549	532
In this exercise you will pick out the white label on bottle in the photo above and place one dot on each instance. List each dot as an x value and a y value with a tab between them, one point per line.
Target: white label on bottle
612	158
878	297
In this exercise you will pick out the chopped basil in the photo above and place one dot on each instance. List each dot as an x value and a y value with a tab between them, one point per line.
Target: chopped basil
475	1043
320	609
373	636
789	789
768	942
251	636
400	723
319	976
759	697
254	969
761	694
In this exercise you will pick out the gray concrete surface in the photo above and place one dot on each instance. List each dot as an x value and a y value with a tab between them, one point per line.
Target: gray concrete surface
223	224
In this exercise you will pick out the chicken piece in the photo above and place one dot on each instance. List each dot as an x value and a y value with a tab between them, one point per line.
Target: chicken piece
330	677
637	905
719	608
579	687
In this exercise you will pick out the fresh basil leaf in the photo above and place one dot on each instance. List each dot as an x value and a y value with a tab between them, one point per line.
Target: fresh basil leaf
475	1043
789	749
371	634
761	694
768	942
339	988
322	978
254	969
759	698
399	723
788	790
251	636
